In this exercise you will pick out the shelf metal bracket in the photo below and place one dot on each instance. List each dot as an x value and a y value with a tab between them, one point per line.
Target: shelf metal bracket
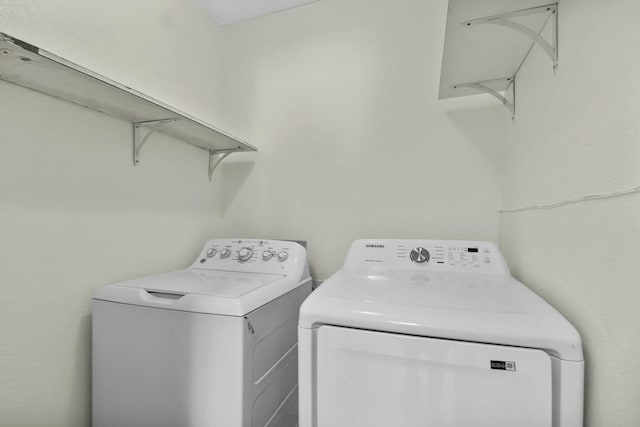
215	158
484	87
140	137
504	20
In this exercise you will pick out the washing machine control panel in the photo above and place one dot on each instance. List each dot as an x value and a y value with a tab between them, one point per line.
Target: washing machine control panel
251	255
436	255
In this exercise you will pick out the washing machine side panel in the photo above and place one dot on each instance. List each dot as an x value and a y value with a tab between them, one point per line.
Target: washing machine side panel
166	368
272	362
373	379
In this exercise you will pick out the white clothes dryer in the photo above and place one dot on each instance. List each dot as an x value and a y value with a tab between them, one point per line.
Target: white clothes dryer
425	333
214	345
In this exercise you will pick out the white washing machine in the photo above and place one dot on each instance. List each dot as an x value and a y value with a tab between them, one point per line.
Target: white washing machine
424	333
214	345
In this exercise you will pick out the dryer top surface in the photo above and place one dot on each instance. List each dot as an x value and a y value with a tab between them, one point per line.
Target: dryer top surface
446	301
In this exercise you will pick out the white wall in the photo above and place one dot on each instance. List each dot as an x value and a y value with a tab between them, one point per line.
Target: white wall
74	213
341	97
577	134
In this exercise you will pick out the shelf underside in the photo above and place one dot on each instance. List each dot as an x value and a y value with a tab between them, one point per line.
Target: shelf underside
485	53
36	69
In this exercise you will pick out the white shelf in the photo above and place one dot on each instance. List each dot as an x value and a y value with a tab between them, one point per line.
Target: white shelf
31	67
476	53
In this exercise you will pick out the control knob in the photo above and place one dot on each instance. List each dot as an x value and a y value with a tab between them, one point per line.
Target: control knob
225	253
419	255
211	252
244	254
282	256
267	255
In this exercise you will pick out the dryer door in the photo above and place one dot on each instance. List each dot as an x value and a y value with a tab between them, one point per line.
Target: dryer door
374	379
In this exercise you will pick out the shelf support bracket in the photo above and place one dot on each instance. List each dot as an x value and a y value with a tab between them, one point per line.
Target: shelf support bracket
484	87
215	158
551	48
140	137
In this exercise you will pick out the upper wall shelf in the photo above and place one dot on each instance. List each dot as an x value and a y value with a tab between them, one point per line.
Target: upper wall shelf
29	66
487	41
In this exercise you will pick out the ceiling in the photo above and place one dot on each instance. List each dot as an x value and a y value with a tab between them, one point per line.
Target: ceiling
227	12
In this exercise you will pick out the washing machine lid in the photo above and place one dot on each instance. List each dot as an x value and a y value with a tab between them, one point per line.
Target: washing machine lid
199	290
486	308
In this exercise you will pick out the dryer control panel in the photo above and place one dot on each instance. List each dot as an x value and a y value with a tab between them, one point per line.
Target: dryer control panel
251	255
435	255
